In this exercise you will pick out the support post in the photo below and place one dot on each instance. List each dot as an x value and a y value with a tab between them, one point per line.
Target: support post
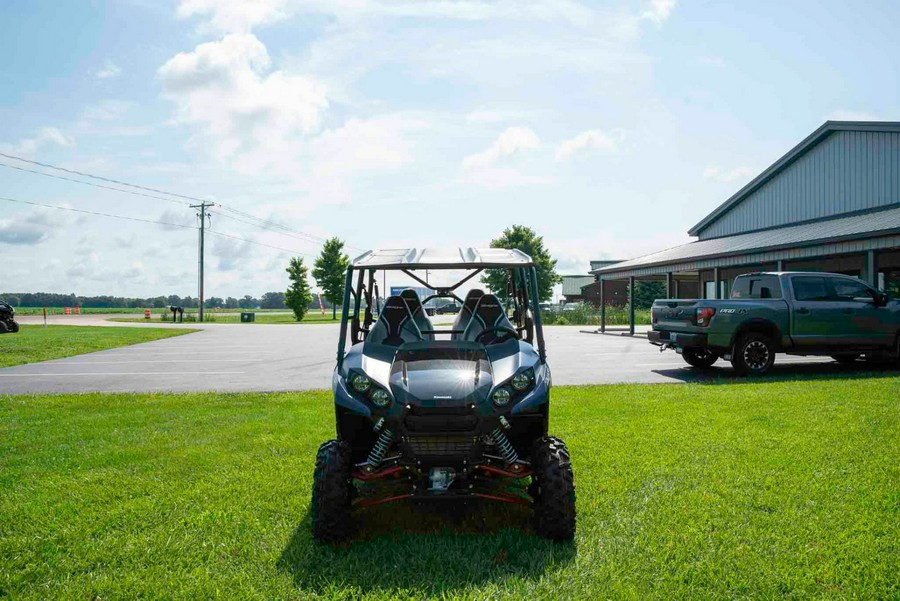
701	293
871	274
631	305
602	307
716	294
779	265
669	286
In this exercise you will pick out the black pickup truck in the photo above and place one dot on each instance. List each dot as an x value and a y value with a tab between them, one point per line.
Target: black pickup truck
796	313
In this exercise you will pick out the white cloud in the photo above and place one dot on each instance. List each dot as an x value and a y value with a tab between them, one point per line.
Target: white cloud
46	136
658	11
109	70
32	227
512	141
234	16
224	89
720	174
170	219
590	139
364	145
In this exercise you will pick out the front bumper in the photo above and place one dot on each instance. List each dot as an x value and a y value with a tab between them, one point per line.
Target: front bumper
678	340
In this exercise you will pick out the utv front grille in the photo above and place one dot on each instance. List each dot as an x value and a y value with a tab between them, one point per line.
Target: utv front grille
441	423
440	445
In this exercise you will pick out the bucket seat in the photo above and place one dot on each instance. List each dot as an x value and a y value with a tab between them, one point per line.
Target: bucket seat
466	312
418	312
489	313
395	325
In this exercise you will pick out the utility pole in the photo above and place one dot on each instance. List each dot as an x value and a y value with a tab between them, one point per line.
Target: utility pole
203	215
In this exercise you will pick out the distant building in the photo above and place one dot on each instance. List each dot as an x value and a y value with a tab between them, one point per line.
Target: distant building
572	285
830	204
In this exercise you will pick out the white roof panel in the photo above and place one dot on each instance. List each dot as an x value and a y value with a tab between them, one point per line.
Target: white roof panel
441	258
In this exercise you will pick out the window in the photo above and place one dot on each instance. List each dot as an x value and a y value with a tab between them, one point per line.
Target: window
847	290
762	286
810	288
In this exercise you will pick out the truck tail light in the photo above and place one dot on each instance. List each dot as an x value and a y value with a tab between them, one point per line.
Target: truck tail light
704	315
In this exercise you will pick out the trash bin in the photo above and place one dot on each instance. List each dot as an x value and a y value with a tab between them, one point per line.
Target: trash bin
248	317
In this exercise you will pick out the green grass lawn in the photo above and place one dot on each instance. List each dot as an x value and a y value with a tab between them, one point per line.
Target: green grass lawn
746	490
37	343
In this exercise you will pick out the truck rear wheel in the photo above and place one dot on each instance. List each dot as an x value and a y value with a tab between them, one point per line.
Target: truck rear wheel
332	492
699	357
754	355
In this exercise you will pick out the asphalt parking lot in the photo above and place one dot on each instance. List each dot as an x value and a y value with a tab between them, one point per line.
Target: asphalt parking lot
250	357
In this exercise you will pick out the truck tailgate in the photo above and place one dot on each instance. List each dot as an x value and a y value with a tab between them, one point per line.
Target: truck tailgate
676	315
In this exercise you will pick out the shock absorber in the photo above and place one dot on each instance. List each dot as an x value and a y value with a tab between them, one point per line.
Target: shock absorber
504	446
380	448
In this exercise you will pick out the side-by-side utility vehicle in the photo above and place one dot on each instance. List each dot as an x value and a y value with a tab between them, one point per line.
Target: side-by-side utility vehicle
797	313
426	413
7	318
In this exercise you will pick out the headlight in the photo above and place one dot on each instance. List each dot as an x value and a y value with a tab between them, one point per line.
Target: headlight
381	398
501	397
360	383
521	381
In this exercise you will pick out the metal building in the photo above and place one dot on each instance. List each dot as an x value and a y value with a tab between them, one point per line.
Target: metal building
830	204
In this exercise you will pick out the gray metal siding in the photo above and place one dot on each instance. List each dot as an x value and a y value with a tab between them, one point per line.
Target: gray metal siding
847	171
807	252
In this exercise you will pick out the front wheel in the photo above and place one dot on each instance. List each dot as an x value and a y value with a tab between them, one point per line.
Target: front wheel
553	490
13	327
699	357
332	492
754	355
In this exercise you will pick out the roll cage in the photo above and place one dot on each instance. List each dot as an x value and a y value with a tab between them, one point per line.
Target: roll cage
362	285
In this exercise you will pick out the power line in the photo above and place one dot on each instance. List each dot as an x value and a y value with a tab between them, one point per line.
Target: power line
101	178
127	218
289	234
96	213
78	181
258	221
287	250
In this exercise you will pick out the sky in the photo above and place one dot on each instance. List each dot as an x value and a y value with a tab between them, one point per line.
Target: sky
608	127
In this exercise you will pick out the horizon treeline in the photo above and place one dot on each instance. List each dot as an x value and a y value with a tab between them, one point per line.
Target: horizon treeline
269	300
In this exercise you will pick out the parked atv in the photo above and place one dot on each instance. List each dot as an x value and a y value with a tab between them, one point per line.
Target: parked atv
7	323
426	414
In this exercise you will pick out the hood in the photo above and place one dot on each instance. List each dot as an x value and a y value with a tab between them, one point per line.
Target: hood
441	376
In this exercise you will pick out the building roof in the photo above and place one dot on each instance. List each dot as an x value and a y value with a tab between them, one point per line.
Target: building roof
788	159
881	222
441	258
572	284
597	264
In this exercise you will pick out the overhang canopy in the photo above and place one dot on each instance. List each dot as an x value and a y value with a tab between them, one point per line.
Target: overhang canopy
863	225
441	258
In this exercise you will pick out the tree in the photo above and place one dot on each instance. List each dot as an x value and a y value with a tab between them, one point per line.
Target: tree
213	302
231	303
298	295
645	292
525	239
330	269
272	300
248	302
